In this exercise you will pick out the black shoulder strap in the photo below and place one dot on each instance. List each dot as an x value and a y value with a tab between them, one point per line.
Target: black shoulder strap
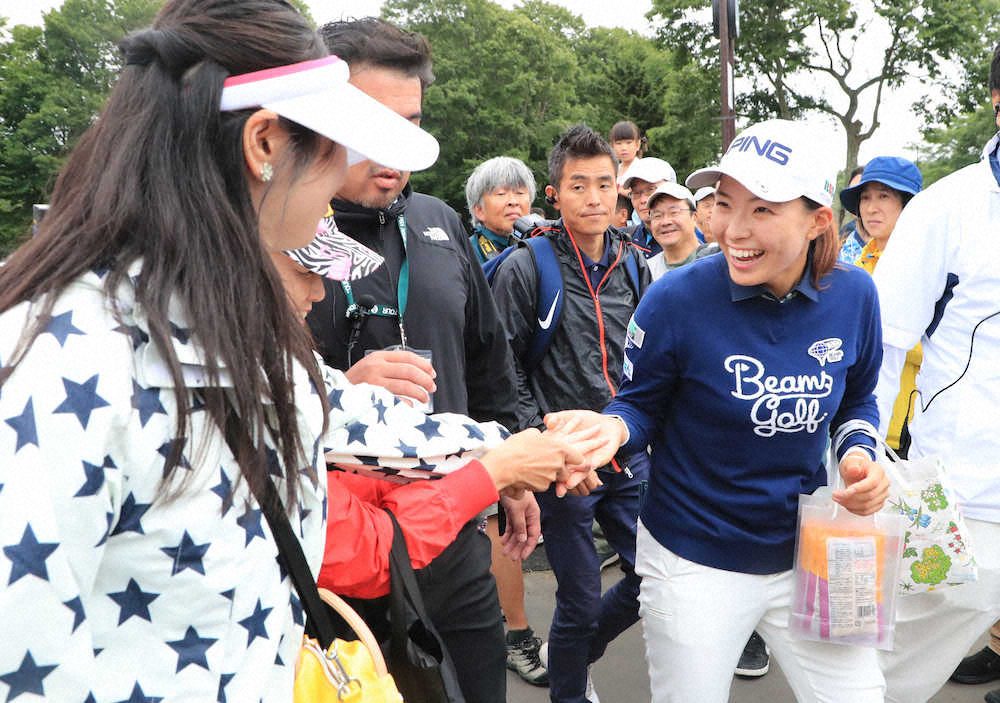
318	621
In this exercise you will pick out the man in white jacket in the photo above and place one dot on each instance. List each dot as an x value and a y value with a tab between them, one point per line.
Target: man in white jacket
939	283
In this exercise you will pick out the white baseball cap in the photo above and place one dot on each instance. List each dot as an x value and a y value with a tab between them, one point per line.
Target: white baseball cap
650	169
776	160
703	193
674	190
316	94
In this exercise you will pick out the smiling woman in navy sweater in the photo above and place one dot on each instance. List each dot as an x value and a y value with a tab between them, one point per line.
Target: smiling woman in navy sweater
738	368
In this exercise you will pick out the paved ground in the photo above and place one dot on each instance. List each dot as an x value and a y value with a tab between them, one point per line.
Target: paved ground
620	676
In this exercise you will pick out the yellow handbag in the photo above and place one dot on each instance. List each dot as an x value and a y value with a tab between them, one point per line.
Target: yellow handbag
351	671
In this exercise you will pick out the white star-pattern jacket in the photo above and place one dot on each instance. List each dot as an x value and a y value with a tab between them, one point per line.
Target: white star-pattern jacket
110	593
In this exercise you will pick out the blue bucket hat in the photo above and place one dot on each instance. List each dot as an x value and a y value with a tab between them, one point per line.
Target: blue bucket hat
893	171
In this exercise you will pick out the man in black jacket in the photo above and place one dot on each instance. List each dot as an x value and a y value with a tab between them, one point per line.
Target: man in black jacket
580	369
430	295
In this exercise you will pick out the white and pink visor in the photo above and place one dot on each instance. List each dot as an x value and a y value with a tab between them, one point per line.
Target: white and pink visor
316	94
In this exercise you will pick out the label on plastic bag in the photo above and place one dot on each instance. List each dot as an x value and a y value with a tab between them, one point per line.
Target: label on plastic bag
853	571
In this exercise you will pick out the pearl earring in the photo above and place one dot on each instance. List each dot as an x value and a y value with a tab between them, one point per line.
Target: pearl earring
266	172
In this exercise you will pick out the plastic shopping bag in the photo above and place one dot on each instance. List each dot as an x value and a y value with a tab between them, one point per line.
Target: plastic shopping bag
846	568
936	547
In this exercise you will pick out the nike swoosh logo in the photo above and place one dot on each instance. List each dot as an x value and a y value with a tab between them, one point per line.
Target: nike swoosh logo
544	324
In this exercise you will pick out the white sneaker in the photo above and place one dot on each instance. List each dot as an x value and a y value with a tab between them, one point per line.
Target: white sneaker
590	693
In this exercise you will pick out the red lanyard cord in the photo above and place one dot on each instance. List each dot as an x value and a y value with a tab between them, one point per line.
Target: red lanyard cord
597	309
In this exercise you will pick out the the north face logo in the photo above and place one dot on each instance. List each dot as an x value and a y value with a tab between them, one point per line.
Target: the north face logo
435	234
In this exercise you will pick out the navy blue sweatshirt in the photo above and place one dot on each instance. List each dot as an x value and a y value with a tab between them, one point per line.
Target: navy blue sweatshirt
737	393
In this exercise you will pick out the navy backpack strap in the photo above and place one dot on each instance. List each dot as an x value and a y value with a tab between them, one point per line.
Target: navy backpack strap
490	266
632	268
549	303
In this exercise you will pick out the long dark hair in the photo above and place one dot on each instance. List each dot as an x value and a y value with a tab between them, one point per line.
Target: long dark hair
824	249
161	176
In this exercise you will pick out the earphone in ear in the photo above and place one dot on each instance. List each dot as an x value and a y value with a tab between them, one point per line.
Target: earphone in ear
550	199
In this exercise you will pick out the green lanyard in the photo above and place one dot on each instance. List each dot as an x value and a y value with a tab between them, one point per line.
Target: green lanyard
402	291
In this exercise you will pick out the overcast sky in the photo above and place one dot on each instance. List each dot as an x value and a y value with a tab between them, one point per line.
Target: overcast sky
899	126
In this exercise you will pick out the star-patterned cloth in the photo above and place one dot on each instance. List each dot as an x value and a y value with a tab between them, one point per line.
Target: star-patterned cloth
108	591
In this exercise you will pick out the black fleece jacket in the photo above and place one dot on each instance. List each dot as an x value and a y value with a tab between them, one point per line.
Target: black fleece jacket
450	309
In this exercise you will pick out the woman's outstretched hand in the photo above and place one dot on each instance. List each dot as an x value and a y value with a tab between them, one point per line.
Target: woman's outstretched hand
597	436
530	460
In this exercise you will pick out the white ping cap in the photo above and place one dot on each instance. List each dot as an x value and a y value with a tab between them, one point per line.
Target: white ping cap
776	160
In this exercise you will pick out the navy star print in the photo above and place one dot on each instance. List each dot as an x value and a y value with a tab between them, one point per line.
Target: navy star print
296	610
76	605
356	432
250	522
381	408
81	399
273	465
474	432
139	696
192	649
187	555
408	451
107	531
130	519
165	449
137	335
133	601
147	402
61	327
224	489
335	395
24	426
28	678
95	479
28	556
429	427
255	623
181	334
223	682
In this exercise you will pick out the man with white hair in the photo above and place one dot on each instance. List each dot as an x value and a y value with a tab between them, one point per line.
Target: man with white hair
498	191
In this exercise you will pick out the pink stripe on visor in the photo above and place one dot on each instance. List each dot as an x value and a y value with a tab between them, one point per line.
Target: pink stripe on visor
316	94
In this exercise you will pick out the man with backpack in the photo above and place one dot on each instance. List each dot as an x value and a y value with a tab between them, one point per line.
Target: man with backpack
566	296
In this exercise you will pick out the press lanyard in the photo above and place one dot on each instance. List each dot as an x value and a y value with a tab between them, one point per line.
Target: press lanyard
402	291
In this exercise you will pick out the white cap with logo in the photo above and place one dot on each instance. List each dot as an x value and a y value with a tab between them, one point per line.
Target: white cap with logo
649	169
776	160
703	193
674	190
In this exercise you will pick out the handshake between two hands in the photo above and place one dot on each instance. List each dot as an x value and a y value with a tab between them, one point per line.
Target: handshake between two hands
575	443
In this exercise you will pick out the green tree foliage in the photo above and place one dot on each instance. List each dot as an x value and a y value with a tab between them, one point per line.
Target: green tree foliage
54	79
508	82
960	143
811	55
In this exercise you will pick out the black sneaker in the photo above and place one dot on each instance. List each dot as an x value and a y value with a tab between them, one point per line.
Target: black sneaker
993	696
754	661
981	667
522	657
